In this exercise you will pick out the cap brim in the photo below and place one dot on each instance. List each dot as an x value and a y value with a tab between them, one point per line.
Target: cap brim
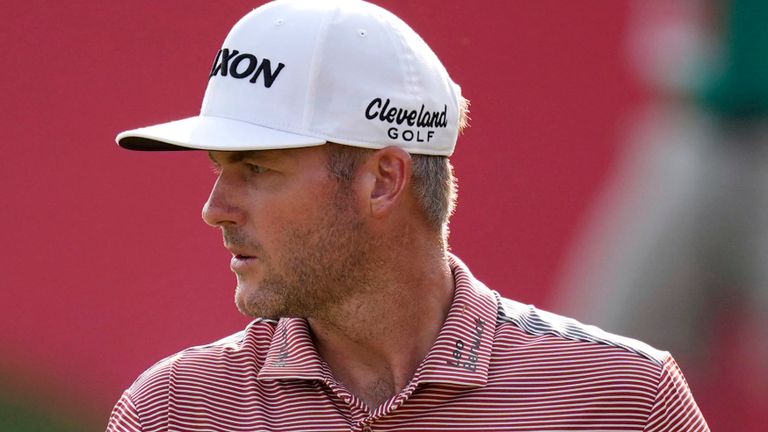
212	133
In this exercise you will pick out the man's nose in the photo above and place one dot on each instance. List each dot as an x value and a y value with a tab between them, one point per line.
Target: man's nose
221	208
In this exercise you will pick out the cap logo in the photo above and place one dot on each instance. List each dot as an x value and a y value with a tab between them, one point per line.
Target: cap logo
243	65
381	110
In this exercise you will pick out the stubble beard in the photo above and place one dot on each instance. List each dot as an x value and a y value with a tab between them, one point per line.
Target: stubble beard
319	267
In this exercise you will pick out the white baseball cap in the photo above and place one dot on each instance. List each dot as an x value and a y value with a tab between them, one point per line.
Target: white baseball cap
299	73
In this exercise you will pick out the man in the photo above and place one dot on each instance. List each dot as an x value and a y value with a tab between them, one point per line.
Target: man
330	124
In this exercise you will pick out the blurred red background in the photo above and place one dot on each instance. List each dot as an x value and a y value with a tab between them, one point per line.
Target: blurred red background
107	267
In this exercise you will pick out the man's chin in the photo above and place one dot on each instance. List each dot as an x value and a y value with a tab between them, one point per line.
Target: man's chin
245	303
252	305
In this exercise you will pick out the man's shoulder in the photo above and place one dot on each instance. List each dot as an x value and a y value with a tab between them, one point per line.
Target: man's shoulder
523	329
545	327
234	354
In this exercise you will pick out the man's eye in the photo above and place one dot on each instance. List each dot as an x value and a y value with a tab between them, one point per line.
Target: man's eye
255	169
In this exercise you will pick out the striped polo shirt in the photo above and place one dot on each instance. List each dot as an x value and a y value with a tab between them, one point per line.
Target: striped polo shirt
497	365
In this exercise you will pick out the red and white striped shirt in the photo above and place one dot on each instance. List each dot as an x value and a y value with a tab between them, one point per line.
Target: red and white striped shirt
497	365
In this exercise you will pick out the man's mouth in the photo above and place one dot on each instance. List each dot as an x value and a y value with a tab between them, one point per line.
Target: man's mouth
241	263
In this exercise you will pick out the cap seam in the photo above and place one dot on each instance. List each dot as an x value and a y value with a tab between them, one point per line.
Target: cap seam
310	101
384	20
412	81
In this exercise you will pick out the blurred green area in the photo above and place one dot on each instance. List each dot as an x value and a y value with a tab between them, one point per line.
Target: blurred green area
738	87
21	413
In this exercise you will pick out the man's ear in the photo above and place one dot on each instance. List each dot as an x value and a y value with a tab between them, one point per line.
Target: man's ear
387	177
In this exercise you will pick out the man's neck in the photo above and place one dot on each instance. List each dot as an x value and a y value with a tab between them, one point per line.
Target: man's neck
378	340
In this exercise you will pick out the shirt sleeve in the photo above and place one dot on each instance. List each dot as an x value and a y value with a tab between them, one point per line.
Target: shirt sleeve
125	417
674	409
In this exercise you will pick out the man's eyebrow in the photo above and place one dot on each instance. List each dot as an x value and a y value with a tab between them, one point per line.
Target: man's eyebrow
231	156
238	156
259	155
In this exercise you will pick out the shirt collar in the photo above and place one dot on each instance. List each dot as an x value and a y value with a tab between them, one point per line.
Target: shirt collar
292	354
462	352
460	355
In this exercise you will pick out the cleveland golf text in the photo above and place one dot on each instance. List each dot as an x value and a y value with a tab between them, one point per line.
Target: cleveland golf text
421	118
